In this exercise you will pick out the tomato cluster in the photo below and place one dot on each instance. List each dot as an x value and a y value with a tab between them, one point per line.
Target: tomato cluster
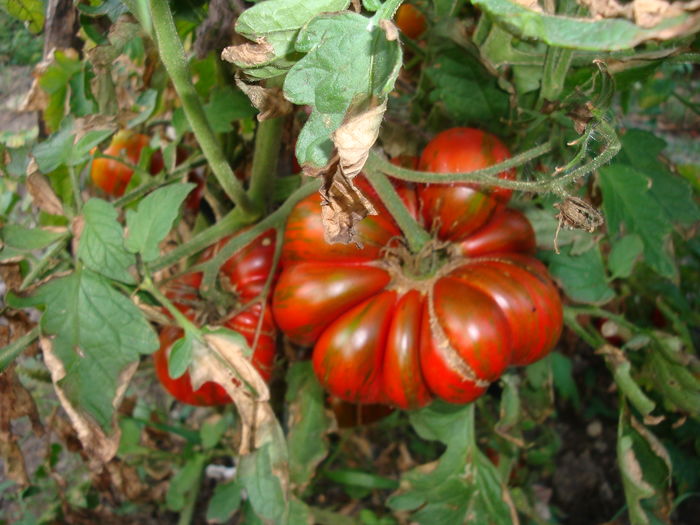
390	326
245	274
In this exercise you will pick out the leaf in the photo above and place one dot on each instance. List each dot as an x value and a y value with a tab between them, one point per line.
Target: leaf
31	12
607	34
470	94
26	239
101	245
180	355
225	502
226	105
463	485
624	255
582	276
629	203
641	150
360	478
96	333
563	378
55	151
213	429
308	424
545	225
145	106
273	26
154	218
185	482
265	491
349	61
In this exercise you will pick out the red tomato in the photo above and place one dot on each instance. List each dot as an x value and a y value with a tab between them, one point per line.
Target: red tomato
410	21
401	329
247	271
113	176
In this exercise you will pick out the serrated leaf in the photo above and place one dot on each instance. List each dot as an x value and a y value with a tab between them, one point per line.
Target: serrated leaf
606	34
276	24
623	256
55	151
265	492
641	150
468	92
153	219
26	239
213	428
145	106
180	355
349	60
96	333
101	245
31	12
629	203
225	502
582	276
308	424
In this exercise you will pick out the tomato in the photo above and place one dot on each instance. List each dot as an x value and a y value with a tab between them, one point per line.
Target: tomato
247	271
410	21
113	176
389	326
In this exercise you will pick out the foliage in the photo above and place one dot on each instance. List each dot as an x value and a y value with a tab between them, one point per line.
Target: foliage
594	106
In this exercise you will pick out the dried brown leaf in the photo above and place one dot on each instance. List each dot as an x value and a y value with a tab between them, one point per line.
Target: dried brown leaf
270	102
342	207
390	29
11	276
223	361
354	138
249	53
41	191
99	446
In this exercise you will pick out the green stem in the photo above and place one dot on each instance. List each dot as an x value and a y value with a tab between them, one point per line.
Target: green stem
265	156
173	57
75	182
415	235
556	66
179	317
10	352
187	512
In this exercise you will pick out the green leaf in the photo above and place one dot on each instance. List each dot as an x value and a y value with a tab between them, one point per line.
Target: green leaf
262	485
56	150
31	12
359	478
185	483
348	61
464	479
213	429
80	152
470	94
225	502
582	276
25	239
82	103
97	332
153	219
624	255
678	385
102	242
226	105
308	424
641	150
545	226
180	355
277	23
562	375
629	204
607	34
145	106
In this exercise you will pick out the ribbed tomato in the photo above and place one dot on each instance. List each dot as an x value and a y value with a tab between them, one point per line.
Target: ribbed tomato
246	272
399	328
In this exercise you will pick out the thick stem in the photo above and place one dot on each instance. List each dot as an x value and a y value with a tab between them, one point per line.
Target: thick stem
173	56
415	235
265	157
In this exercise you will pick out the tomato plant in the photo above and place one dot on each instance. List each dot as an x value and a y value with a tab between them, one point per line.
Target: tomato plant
390	326
246	273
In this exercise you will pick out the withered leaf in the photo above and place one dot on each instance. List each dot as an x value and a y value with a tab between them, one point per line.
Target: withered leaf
41	191
342	207
354	138
99	446
270	102
249	54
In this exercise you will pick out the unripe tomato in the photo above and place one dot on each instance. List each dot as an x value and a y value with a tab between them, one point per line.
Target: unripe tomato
410	21
113	176
400	328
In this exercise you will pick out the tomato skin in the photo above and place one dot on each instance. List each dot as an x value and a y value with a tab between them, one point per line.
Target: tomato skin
410	21
248	270
113	176
402	329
